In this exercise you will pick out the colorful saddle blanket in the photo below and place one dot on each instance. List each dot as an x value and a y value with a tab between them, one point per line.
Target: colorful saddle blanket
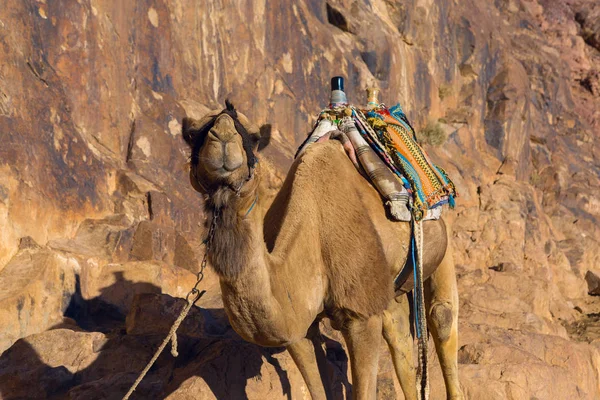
394	139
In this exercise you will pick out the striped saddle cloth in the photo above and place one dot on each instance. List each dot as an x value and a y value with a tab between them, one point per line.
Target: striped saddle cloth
393	138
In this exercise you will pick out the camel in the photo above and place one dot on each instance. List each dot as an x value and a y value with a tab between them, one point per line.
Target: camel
323	248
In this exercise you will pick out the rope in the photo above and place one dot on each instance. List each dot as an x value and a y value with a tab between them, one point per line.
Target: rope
174	351
420	317
172	337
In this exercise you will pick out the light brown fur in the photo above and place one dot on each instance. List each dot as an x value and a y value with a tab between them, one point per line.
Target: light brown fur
324	247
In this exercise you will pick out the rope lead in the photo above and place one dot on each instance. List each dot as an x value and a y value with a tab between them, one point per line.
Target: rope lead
192	297
420	316
171	337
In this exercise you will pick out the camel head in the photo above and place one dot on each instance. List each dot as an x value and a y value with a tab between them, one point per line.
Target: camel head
223	145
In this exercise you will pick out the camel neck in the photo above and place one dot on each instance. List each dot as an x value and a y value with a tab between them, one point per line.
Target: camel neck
264	281
237	232
240	258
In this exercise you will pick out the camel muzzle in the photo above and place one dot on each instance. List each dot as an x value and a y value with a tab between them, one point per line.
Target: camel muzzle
222	156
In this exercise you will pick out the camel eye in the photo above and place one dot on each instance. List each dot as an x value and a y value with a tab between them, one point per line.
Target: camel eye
265	136
195	134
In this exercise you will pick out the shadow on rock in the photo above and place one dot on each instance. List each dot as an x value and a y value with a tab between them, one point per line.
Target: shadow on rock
102	313
101	354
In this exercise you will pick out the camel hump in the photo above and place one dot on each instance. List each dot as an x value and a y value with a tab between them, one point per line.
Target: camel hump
323	150
324	157
326	169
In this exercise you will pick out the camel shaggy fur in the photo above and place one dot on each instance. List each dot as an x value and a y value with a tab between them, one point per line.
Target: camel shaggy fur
324	248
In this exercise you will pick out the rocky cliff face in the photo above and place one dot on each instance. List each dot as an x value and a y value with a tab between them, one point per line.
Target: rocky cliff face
101	231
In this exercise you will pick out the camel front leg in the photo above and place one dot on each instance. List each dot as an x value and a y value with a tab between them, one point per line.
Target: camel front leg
442	315
363	338
396	331
303	354
311	361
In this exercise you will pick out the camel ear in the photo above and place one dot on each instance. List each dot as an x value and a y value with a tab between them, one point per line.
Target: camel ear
249	126
265	136
192	129
259	136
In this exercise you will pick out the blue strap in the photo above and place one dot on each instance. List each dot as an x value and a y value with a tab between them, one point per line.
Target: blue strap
252	206
415	295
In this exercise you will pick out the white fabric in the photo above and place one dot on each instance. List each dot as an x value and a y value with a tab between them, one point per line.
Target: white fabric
323	127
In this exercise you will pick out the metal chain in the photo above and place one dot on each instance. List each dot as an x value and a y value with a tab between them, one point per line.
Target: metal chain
207	242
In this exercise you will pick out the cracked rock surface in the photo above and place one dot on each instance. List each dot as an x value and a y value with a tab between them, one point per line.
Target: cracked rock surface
101	233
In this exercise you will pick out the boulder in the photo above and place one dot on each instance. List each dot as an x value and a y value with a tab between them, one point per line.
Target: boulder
63	363
593	282
234	369
497	365
35	290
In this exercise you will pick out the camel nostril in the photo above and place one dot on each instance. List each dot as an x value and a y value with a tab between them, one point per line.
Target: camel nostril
224	129
217	136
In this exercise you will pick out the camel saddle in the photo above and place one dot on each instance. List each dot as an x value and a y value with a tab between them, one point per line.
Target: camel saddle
382	145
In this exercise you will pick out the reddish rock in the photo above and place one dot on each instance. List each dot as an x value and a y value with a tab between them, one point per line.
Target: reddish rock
35	289
152	241
93	169
63	363
110	238
588	17
117	284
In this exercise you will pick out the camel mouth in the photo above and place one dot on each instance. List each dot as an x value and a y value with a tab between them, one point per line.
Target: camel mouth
223	173
229	169
209	181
